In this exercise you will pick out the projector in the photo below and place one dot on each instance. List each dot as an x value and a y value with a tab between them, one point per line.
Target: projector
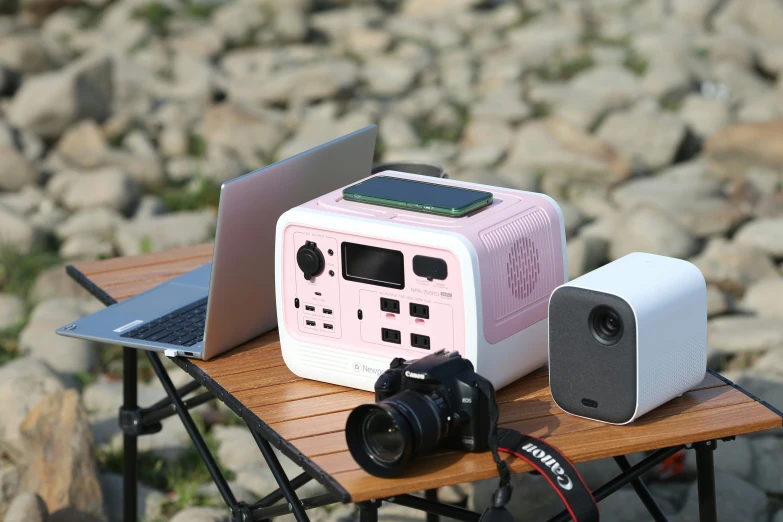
358	284
627	337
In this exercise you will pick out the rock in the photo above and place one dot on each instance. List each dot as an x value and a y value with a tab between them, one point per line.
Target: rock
85	247
763	234
15	170
572	218
164	232
768	453
55	282
27	507
235	21
389	76
762	20
48	103
10	477
26	201
97	221
237	450
202	514
650	137
62	469
732	266
734	150
210	491
718	303
557	148
649	230
396	131
173	142
764	298
535	43
609	86
62	354
736	499
666	78
11	311
585	254
149	206
737	333
249	133
291	24
734	457
517	181
367	42
762	383
25	53
107	186
705	116
150	501
503	104
482	132
23	383
84	145
18	233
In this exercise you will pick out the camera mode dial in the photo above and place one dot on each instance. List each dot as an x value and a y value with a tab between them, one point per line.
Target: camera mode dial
310	259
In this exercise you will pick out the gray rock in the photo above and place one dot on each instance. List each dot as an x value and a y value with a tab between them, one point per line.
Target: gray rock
481	156
149	206
649	230
10	478
396	131
705	116
557	149
85	247
249	133
762	383
236	20
736	499
210	491
487	131
540	40
25	201
609	86
291	24
764	298
104	187
736	334
389	76
27	507
48	103
732	266
368	42
649	137
664	191
83	144
514	180
23	383
15	170
97	221
718	303
150	501
764	234
585	254
202	514
164	232
18	233
11	311
572	218
62	354
173	142
666	77
55	282
768	453
734	457
24	52
504	104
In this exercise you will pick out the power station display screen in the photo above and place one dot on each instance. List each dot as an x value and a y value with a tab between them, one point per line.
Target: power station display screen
373	265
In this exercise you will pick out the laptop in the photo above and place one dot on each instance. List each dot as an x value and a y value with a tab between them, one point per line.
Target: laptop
224	303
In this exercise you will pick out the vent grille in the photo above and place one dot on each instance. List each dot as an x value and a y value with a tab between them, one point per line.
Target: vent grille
520	254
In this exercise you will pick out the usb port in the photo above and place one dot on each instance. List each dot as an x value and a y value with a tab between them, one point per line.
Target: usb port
310	323
309	308
328	326
327	311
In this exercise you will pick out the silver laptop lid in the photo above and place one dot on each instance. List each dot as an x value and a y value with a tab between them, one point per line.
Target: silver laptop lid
242	289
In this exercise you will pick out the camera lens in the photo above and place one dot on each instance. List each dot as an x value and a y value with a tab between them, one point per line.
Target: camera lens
384	437
606	325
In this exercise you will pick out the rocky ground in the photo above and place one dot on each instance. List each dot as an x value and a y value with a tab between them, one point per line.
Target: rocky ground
656	124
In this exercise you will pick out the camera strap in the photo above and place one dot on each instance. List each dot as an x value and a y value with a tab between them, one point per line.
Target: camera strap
558	471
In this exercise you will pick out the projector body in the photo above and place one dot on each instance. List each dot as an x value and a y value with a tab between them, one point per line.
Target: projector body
659	353
386	283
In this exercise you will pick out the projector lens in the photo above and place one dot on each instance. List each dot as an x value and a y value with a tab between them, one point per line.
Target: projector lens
606	325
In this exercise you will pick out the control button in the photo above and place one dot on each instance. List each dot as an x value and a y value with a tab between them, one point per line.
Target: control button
310	260
430	267
296	302
360	314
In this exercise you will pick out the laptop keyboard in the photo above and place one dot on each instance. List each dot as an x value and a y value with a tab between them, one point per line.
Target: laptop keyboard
183	327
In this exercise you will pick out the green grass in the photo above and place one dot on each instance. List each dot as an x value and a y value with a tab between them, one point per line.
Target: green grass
192	196
18	272
197	146
9	339
429	133
180	480
541	110
635	63
199	10
563	70
157	14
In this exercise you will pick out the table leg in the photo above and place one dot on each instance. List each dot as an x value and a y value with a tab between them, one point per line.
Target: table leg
432	494
130	461
368	511
642	492
705	467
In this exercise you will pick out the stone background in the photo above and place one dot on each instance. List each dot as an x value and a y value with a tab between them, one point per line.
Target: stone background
657	125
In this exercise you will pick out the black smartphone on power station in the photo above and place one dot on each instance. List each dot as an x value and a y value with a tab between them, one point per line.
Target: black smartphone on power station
420	196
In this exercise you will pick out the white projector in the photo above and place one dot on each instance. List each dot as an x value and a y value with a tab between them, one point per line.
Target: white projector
627	337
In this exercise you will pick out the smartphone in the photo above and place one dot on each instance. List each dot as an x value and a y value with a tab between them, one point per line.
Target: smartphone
420	196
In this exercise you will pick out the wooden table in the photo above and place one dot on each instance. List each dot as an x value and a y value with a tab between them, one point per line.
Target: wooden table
305	419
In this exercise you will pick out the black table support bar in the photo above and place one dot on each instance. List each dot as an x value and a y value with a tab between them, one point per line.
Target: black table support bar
642	492
182	391
435	508
264	513
275	496
130	447
151	416
705	480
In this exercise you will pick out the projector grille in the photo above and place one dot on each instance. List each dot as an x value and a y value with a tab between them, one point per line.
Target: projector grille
521	259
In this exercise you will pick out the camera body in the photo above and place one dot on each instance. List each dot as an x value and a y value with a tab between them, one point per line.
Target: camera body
627	337
453	380
360	284
436	401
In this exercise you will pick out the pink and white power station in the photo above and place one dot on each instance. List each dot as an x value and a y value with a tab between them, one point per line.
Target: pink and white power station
358	285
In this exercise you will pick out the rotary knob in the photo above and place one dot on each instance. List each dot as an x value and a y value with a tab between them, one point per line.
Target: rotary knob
310	259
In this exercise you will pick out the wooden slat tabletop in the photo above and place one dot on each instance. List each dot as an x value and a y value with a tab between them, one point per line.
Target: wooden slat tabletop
311	415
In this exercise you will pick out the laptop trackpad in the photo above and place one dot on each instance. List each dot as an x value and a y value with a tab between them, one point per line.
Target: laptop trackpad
162	300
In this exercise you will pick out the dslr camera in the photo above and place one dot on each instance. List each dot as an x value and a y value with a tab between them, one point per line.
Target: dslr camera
436	401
